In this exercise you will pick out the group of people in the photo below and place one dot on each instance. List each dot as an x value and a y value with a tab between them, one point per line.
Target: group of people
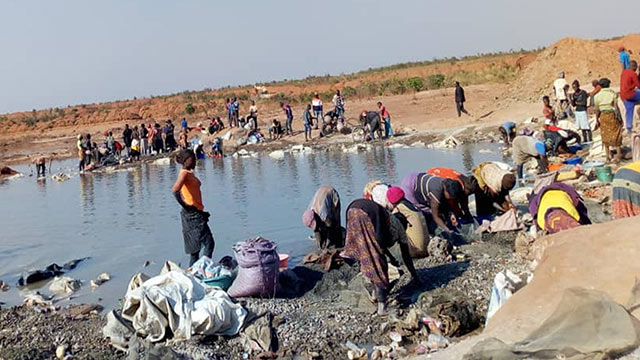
312	118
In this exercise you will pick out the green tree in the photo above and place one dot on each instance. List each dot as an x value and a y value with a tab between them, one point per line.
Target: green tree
435	81
415	83
189	109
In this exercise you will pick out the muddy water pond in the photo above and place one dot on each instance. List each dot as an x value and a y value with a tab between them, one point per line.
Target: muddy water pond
122	219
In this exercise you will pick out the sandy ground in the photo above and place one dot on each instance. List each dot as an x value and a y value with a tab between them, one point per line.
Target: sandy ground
422	112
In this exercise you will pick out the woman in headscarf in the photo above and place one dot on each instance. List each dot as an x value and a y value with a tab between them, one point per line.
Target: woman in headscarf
608	119
558	207
195	228
417	229
370	235
323	217
377	191
626	191
492	193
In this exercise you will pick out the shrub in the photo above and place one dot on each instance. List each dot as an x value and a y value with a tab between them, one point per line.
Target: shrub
435	81
349	91
415	83
397	86
189	109
305	97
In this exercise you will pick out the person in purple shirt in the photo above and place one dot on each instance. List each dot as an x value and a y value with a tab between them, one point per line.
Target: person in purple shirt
288	128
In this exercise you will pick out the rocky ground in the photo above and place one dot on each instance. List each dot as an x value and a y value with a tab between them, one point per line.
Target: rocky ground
318	324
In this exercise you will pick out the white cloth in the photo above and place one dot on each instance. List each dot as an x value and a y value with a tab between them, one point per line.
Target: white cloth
379	195
582	120
559	86
177	300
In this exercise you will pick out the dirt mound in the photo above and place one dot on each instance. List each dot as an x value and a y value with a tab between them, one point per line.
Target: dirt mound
584	60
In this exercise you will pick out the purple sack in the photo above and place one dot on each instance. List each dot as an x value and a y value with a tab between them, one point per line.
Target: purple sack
258	269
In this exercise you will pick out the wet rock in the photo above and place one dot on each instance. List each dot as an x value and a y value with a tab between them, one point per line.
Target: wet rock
101	279
64	285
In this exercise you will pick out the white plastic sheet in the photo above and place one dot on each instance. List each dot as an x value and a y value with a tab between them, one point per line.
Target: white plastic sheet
178	301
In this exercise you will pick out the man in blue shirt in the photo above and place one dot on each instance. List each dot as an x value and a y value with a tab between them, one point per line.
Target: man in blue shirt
184	124
508	132
624	58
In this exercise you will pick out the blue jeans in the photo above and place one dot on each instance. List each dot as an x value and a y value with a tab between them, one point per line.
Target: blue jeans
388	131
629	106
318	115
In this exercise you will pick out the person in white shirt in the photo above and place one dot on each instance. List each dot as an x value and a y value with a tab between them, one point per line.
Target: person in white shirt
316	103
253	115
561	88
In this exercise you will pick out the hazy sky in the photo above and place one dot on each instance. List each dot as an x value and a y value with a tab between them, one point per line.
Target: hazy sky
56	53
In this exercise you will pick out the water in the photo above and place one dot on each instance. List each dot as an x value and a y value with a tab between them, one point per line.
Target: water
122	219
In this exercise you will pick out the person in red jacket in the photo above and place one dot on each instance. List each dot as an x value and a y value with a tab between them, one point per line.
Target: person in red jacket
630	92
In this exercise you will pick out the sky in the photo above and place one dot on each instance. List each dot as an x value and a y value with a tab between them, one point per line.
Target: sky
67	52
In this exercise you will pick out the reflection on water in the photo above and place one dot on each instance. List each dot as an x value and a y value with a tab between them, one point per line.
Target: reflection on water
125	217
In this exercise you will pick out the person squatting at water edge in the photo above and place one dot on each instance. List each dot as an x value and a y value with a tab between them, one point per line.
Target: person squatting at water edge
195	227
323	218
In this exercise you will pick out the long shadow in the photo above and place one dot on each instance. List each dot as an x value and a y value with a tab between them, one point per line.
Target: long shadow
432	278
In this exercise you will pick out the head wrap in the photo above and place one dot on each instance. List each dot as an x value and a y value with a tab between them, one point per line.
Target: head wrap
621	48
309	219
395	194
379	195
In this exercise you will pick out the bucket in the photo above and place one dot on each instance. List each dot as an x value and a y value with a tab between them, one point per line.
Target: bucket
574	161
604	174
284	261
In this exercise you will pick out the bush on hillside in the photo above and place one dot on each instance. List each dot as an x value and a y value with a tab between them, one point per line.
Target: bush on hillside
189	109
415	83
435	81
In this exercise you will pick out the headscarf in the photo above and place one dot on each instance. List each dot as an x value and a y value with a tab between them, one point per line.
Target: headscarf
379	195
395	194
309	219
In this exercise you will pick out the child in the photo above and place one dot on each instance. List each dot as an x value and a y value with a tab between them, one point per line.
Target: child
195	228
547	111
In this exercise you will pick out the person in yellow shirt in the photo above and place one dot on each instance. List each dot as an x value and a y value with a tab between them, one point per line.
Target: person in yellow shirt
558	207
195	227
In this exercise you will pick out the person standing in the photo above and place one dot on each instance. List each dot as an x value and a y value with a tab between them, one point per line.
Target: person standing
80	148
338	103
460	100
41	168
184	124
623	58
386	120
195	228
629	92
144	141
126	138
608	119
253	114
316	102
88	147
548	112
579	100
288	127
560	88
307	120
